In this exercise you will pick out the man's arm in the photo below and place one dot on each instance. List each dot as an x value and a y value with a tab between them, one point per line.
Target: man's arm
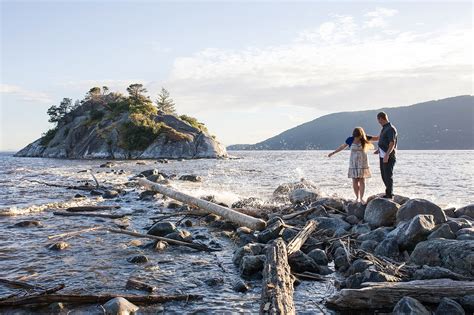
373	138
391	146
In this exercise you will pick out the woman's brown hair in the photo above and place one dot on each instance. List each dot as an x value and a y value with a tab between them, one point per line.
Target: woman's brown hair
360	133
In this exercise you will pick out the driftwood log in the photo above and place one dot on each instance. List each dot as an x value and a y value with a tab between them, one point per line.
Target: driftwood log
227	213
197	246
91	208
139	285
67	234
98	215
382	295
298	241
90	299
277	286
21	284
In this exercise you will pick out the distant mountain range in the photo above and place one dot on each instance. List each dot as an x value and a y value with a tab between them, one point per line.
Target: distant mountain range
445	124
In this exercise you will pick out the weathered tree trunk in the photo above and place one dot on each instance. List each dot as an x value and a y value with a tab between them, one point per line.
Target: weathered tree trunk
99	215
229	214
382	295
159	238
298	241
89	299
277	286
95	228
91	208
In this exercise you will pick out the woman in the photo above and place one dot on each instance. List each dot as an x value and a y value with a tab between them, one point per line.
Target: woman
359	169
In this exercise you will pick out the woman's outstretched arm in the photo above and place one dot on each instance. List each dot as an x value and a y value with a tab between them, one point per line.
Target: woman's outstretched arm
339	149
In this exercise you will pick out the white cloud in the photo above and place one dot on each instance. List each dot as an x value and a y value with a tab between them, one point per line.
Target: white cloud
25	94
378	17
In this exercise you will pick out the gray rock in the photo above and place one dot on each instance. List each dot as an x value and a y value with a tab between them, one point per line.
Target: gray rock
147	195
388	248
410	306
288	234
160	245
449	212
376	235
359	266
428	272
381	212
463	231
300	262
444	231
448	306
457	256
248	203
181	235
283	191
109	194
96	192
467	210
272	231
139	259
458	223
58	246
191	178
341	261
465	237
360	229
467	302
214	281
352	219
372	275
369	245
418	230
355	208
162	228
354	281
247	250
336	203
319	256
156	178
240	286
28	224
250	265
331	225
119	306
150	172
304	195
413	207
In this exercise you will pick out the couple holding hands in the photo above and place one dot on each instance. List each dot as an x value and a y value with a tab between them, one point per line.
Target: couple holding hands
359	144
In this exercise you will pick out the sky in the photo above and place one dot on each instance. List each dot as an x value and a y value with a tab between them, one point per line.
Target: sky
249	70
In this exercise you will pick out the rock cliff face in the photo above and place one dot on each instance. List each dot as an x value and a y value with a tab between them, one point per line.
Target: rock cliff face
82	137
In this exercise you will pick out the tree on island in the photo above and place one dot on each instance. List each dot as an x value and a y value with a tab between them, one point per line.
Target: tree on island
57	113
165	103
137	92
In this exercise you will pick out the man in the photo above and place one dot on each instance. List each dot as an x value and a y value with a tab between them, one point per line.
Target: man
387	148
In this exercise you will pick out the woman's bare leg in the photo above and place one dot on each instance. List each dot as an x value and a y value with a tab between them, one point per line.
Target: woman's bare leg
355	186
361	189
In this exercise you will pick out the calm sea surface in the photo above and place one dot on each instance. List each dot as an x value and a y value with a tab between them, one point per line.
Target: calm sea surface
97	262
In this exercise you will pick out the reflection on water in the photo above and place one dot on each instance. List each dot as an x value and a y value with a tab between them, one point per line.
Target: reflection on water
97	261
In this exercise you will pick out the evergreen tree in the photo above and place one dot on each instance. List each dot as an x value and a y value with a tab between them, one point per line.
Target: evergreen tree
165	103
57	113
137	92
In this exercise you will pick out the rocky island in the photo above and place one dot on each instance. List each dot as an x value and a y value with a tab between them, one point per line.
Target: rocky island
110	125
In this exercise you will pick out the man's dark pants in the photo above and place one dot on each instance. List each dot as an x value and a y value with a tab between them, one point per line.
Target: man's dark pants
386	170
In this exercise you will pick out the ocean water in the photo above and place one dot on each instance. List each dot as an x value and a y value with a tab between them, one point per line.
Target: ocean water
97	261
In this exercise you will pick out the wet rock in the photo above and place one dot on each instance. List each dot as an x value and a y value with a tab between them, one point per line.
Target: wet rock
188	223
303	195
78	196
457	256
245	239
464	231
56	308
211	217
352	219
148	195
288	234
376	235
162	161
414	207
449	212
355	208
119	306
156	178
173	205
467	211
28	224
160	246
360	229
300	262
215	281
458	223
139	259
240	286
381	212
331	225
58	246
109	194
410	306
319	256
282	192
372	275
96	192
181	235
467	302
369	245
396	198
448	306
359	266
336	203
418	230
250	265
341	261
388	248
149	173
444	231
273	231
107	164
248	203
428	272
465	237
243	230
324	270
247	250
162	228
354	281
191	178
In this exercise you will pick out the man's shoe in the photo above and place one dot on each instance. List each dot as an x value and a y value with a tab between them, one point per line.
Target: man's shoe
387	197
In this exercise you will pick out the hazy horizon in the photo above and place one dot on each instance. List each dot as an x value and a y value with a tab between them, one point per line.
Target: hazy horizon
247	70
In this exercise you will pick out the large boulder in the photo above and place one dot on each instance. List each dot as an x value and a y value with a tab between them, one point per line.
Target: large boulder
331	225
413	207
448	306
467	210
300	262
162	228
376	235
355	208
381	212
250	265
444	231
303	195
388	248
455	255
283	191
418	230
410	306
